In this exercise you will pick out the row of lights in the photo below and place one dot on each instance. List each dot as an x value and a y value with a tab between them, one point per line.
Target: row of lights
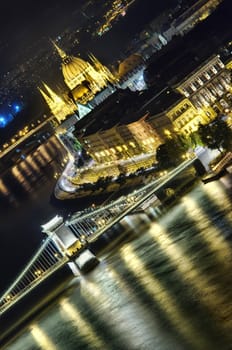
21	133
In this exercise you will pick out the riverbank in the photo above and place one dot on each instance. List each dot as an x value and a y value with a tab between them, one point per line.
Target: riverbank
107	178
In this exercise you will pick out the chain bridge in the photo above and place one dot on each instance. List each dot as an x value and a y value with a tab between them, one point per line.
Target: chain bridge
67	241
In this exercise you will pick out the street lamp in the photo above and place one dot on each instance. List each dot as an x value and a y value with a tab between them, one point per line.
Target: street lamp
38	273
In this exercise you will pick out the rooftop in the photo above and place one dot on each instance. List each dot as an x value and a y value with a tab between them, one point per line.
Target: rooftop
109	113
160	102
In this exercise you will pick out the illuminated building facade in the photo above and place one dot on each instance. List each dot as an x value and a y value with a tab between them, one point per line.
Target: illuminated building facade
206	86
122	141
162	124
185	117
59	107
83	79
191	102
205	93
229	63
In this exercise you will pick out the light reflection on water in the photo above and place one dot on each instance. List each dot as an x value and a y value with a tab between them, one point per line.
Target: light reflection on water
42	339
162	296
27	173
168	289
69	312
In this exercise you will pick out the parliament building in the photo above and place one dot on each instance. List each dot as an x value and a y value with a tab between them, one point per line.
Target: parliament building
83	80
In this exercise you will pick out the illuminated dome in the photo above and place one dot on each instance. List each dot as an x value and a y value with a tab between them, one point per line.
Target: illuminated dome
82	78
73	70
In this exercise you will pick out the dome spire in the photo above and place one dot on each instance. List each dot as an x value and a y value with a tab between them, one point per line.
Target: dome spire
61	52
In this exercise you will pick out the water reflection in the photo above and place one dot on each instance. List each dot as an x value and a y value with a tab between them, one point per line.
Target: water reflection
3	188
42	339
201	284
210	234
167	289
24	177
166	301
84	328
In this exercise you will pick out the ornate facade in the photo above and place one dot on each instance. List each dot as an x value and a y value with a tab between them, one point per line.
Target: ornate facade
206	86
204	96
59	107
185	117
82	78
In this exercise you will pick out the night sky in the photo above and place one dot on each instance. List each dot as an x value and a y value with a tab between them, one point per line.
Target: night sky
24	22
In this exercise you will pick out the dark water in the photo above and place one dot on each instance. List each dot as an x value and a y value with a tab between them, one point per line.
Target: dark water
168	288
25	204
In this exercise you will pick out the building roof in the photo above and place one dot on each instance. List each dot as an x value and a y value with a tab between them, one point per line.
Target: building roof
160	102
125	107
129	64
116	109
171	69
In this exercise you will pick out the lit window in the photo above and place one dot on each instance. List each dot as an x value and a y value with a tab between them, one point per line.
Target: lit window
132	144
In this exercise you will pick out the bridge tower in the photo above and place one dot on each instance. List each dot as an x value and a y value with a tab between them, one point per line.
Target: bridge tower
81	259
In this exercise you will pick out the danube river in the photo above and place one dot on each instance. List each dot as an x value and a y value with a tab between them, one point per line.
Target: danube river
167	287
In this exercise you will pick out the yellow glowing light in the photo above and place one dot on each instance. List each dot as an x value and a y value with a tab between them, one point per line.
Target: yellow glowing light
166	301
213	238
102	294
84	328
3	188
38	273
207	291
42	339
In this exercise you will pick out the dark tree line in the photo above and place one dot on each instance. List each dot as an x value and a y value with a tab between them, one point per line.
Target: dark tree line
215	135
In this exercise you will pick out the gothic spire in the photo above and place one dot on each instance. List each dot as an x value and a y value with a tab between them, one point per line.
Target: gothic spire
61	52
46	97
52	94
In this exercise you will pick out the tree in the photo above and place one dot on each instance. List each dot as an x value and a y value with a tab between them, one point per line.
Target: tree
194	140
170	153
216	135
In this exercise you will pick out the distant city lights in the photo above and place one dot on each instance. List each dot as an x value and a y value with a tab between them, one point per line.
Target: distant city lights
3	121
8	113
16	108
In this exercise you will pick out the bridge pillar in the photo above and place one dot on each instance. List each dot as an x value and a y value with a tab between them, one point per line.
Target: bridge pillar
81	259
73	267
86	261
